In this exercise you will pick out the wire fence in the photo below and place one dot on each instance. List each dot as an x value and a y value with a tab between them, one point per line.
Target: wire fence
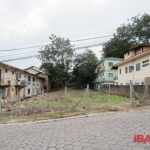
66	100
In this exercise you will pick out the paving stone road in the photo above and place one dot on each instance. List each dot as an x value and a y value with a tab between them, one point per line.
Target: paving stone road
112	131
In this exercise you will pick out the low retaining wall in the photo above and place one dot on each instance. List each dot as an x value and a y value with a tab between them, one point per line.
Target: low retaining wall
125	90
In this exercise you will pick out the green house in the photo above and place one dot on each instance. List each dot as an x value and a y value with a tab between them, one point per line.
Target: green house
104	74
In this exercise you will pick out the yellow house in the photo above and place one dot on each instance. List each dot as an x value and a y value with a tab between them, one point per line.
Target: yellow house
14	80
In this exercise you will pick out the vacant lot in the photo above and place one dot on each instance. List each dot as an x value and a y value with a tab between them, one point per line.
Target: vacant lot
58	104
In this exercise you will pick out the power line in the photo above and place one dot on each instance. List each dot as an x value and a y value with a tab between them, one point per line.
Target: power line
92	38
48	44
18	54
76	47
27	57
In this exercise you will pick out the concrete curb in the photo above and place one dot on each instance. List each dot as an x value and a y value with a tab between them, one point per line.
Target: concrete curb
67	118
58	119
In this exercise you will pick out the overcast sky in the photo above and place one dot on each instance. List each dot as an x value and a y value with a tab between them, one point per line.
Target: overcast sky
27	23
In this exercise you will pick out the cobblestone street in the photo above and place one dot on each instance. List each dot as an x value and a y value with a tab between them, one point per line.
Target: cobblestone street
110	131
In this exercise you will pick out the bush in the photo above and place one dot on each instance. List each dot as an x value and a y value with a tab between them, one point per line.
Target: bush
141	100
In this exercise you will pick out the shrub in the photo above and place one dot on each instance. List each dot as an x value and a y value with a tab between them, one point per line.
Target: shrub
141	100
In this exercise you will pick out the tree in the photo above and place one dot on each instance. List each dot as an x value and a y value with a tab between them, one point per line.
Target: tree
56	58
84	67
135	32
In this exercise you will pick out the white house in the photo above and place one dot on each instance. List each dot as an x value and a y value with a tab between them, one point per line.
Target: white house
136	65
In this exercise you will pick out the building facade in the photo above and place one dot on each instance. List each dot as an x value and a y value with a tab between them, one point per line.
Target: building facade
46	78
135	67
15	83
104	74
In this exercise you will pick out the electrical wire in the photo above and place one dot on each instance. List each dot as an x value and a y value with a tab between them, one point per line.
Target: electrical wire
27	57
48	44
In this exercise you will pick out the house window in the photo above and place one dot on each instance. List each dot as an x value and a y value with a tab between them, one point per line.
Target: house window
138	67
130	68
16	76
24	76
33	79
136	83
128	53
120	71
110	74
138	51
19	75
28	91
142	83
145	63
13	72
126	69
29	78
5	70
110	63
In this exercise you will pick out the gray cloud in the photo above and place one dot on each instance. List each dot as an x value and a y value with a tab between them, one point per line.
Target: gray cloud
30	22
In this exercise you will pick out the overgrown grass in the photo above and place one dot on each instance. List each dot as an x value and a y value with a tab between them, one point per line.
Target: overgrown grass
56	106
101	98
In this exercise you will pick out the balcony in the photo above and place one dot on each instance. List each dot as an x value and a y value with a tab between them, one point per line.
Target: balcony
4	83
100	69
115	78
20	83
99	79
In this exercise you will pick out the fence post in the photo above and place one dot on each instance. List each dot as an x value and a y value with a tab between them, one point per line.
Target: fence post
42	100
131	89
0	101
19	102
66	97
109	91
146	89
88	96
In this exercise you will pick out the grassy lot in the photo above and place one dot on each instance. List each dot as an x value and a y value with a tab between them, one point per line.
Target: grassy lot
55	105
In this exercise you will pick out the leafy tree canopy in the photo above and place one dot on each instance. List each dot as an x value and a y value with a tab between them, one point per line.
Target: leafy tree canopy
56	58
84	66
135	32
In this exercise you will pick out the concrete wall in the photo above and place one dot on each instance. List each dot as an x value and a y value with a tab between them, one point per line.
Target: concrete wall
125	90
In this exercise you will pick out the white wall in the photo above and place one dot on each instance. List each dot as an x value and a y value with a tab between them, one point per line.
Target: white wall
33	86
135	76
